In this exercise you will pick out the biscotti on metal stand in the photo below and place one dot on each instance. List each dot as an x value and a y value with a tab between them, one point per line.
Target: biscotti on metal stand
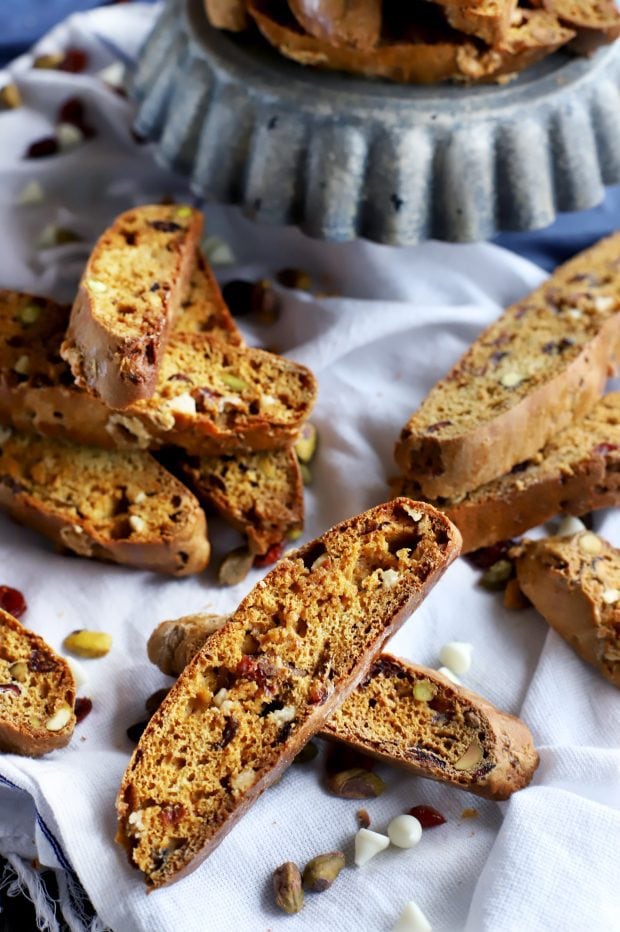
296	647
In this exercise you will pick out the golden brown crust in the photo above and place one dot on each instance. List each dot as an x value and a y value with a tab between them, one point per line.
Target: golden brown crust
286	648
574	582
384	718
111	506
203	309
577	472
489	20
127	301
515	388
227	14
596	22
30	697
354	23
426	57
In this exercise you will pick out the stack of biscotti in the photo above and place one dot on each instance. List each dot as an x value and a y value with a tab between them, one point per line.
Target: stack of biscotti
520	430
147	358
464	41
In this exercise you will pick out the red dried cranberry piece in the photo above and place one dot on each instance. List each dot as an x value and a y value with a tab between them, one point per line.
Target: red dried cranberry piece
72	111
83	707
134	732
604	448
12	601
42	148
485	557
427	816
173	814
10	688
38	662
259	669
75	61
272	556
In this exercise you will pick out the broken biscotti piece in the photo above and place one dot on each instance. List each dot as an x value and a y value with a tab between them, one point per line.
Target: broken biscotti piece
423	54
596	22
128	299
355	23
490	20
404	714
578	471
537	369
37	693
298	644
260	494
119	507
211	397
574	582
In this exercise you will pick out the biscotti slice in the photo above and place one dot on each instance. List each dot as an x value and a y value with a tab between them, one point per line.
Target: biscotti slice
227	14
539	367
37	693
404	714
119	507
354	23
298	644
260	494
574	582
425	55
211	397
577	472
490	20
597	22
203	309
127	301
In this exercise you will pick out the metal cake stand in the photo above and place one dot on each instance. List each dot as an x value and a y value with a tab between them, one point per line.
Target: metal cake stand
344	157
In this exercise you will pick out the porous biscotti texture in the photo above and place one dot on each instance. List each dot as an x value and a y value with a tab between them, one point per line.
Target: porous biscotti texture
203	309
539	367
490	20
574	582
260	494
211	397
422	55
597	22
354	23
227	14
127	300
404	714
576	472
298	644
37	692
119	507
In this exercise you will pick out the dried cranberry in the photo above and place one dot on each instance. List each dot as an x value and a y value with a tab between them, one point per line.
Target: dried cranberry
272	556
317	694
12	601
485	557
239	296
604	448
42	148
173	814
38	662
427	816
83	707
10	688
72	111
134	732
258	669
75	61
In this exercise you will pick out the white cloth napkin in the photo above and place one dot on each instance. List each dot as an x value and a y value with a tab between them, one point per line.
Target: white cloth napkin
545	860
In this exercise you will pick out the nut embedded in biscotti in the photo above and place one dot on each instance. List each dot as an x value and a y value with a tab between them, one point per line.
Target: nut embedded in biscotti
471	758
60	719
287	888
424	690
320	873
356	783
91	644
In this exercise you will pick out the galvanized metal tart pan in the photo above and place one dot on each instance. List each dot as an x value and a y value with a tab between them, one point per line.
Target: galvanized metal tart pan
343	157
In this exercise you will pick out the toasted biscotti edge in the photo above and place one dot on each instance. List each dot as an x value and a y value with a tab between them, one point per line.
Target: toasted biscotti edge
227	14
355	24
36	741
446	537
559	592
122	370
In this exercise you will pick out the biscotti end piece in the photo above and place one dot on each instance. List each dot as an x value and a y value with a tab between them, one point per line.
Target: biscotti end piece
37	693
404	714
203	309
227	14
543	364
263	684
574	582
128	299
260	494
577	472
413	717
119	507
355	24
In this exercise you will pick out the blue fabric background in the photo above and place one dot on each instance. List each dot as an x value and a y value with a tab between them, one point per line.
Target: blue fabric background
22	22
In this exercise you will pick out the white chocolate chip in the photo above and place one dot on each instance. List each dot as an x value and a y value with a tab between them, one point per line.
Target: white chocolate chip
77	671
269	400
404	831
59	719
68	136
590	543
95	285
603	303
449	675
32	193
244	780
611	596
5	433
389	578
137	524
368	844
569	526
412	919
139	498
574	313
511	379
113	74
136	823
22	365
457	656
414	513
281	716
183	404
219	697
227	706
